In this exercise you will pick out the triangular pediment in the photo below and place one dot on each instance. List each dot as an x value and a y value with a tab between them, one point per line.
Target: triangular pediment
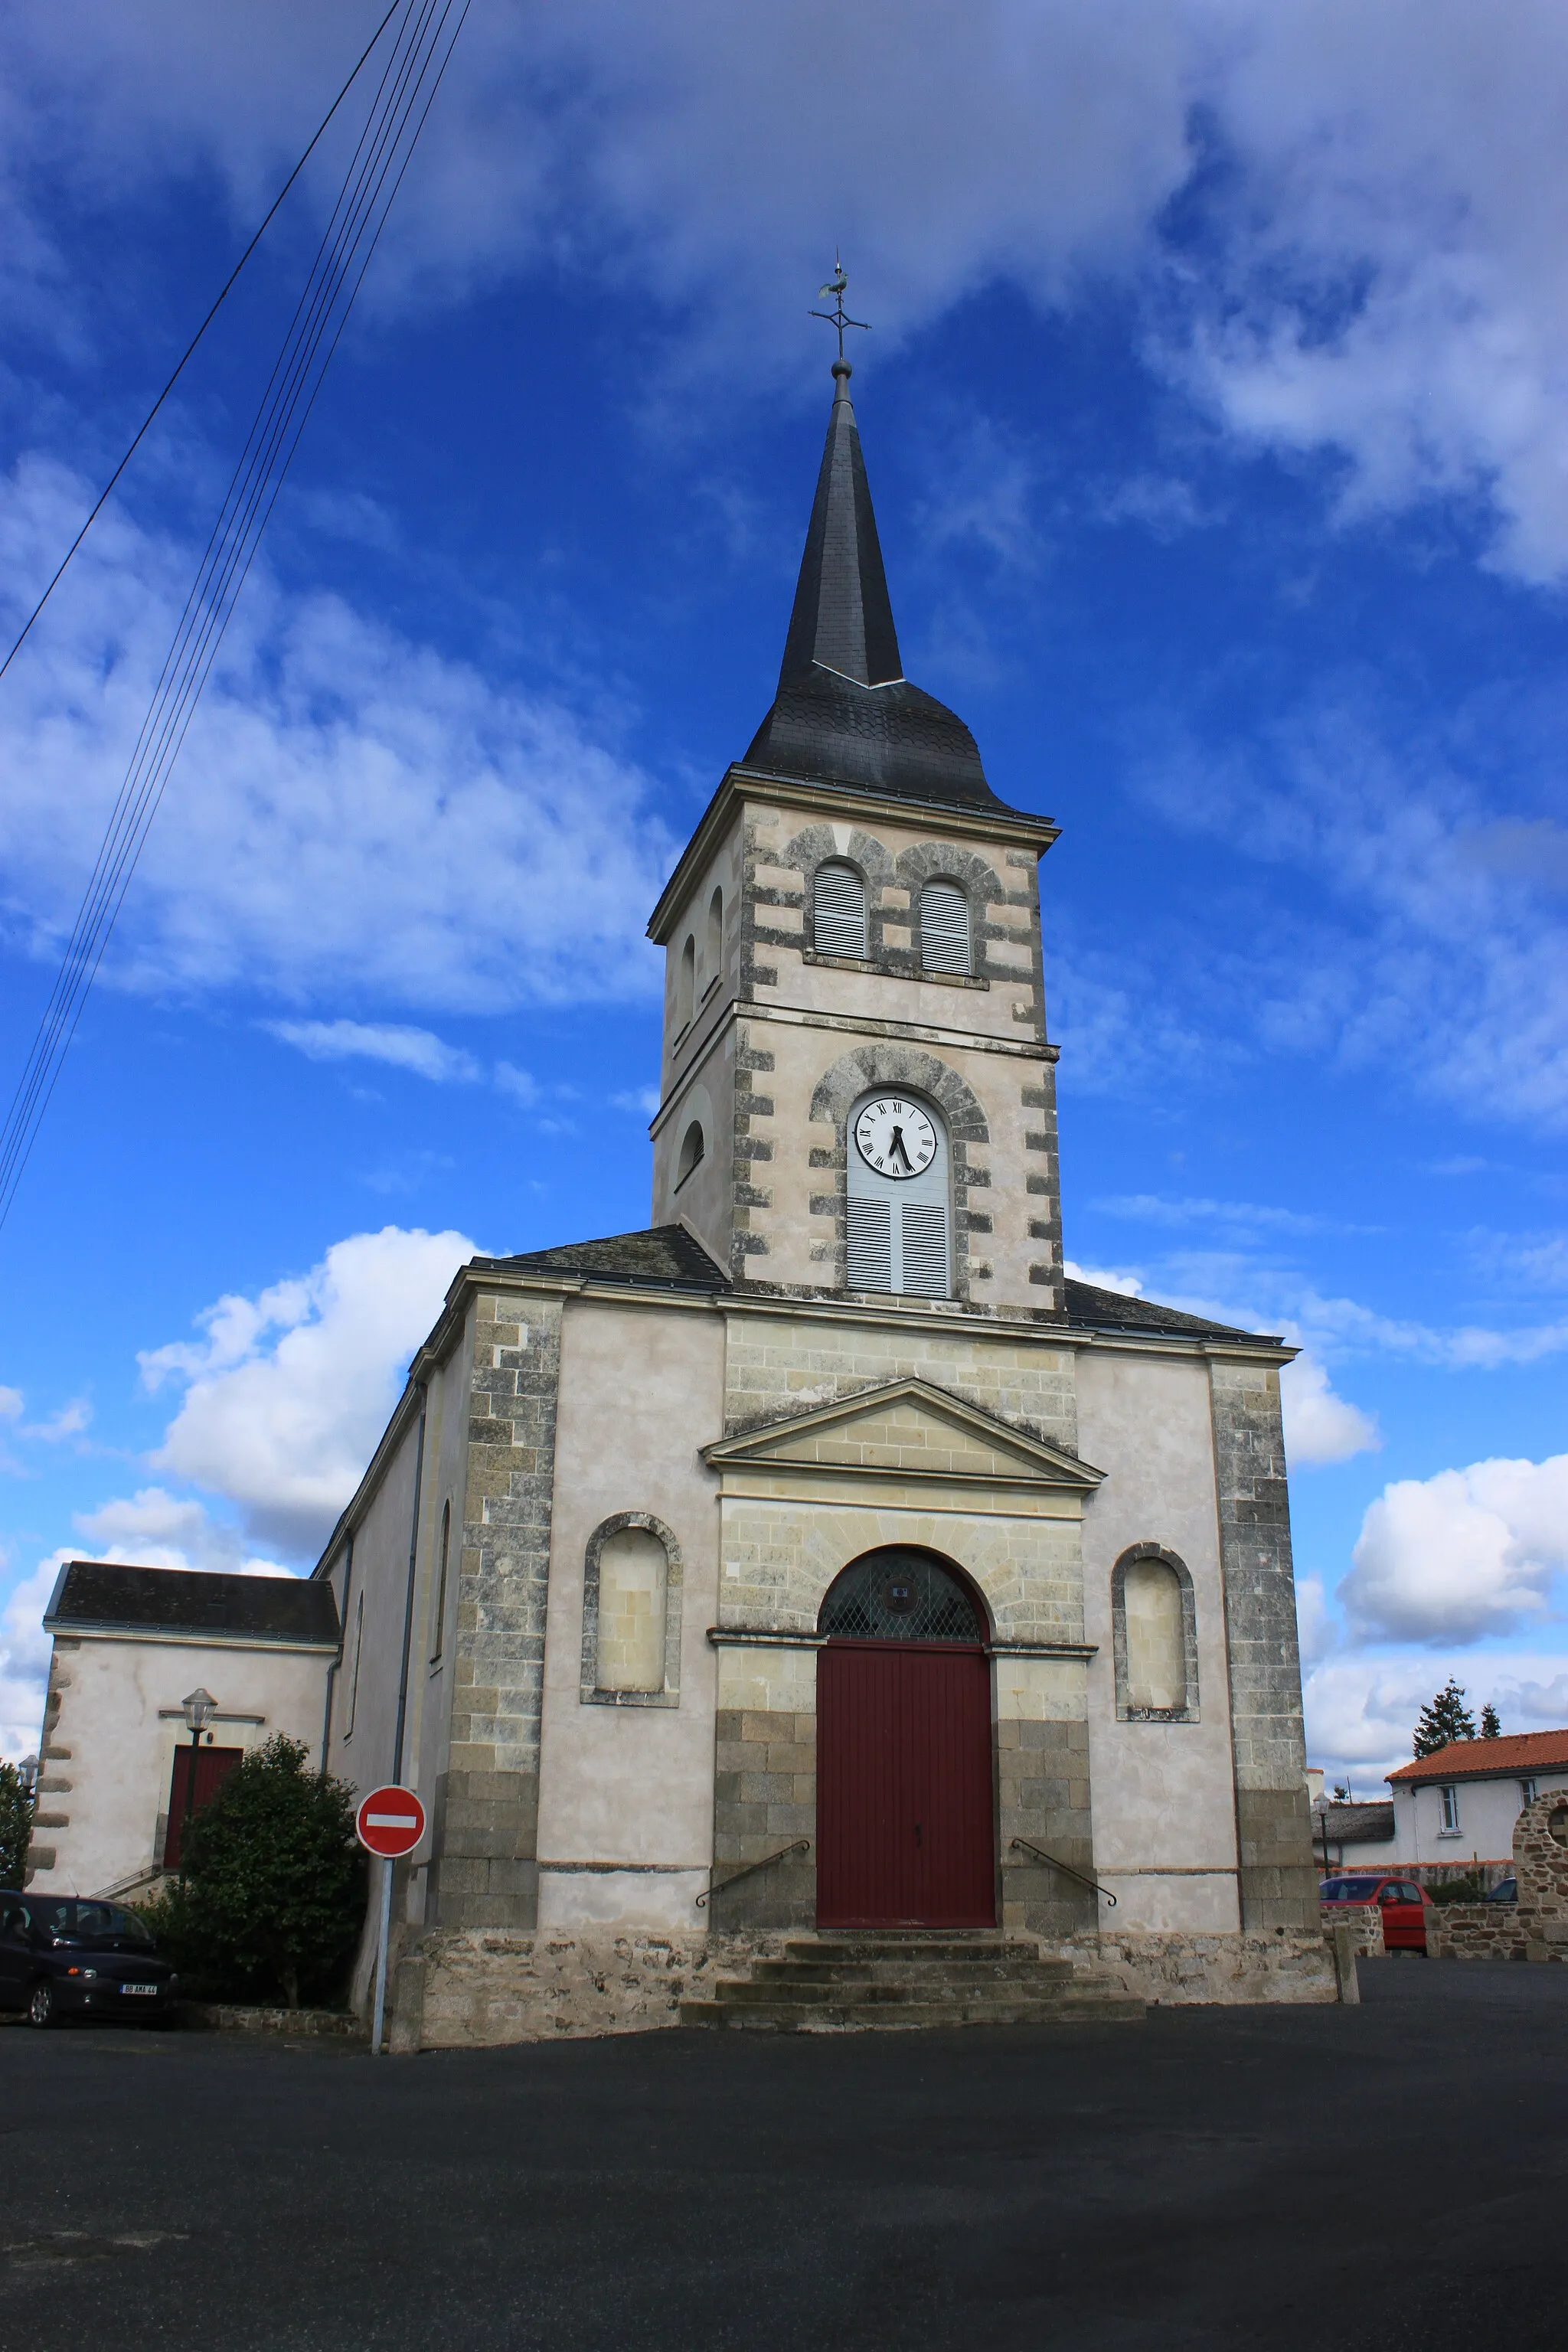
907	1429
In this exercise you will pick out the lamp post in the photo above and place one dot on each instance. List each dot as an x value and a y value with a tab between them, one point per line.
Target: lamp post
198	1710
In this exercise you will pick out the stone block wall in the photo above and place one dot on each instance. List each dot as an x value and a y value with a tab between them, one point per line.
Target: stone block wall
484	1871
1364	1922
1278	1881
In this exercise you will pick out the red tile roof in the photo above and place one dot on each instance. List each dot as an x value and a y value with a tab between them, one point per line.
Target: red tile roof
1485	1759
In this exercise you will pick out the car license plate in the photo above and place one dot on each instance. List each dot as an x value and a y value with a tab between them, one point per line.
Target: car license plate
142	1989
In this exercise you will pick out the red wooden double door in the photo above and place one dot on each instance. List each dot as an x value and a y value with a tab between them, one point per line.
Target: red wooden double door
904	1814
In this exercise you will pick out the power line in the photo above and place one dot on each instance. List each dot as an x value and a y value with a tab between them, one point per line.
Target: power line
223	292
409	81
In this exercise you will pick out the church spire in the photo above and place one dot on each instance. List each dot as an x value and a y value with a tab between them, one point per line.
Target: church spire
843	617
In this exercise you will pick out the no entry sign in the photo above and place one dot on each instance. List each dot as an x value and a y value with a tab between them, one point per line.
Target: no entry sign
390	1821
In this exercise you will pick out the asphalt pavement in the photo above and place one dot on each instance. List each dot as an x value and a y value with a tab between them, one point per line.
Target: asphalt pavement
1384	2176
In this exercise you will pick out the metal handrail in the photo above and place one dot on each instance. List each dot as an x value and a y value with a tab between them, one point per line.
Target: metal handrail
801	1845
1067	1870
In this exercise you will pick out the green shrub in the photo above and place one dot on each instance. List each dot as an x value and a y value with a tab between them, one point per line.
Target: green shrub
1471	1888
271	1897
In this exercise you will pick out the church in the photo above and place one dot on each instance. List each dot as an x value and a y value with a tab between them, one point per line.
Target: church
822	1560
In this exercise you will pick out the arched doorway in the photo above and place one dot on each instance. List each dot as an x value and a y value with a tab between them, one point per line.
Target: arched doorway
905	1833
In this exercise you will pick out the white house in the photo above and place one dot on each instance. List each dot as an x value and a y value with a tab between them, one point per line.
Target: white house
1460	1805
131	1646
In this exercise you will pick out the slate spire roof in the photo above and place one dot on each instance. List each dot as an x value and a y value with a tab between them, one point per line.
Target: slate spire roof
845	712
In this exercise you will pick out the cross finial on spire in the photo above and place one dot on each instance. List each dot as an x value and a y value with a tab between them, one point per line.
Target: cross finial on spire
838	317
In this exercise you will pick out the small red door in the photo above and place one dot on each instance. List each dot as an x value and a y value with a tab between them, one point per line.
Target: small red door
214	1766
904	1833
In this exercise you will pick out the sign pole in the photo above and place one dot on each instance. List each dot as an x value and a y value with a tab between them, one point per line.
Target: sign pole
389	1823
375	2031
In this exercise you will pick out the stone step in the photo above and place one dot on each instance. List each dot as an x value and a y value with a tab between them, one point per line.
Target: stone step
1063	2008
906	1944
951	1968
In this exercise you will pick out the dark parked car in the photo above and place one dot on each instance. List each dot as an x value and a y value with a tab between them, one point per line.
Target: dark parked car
60	1955
1402	1903
1505	1891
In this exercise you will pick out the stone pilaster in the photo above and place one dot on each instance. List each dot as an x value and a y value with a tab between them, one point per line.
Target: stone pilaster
1042	1796
485	1871
1278	1881
764	1788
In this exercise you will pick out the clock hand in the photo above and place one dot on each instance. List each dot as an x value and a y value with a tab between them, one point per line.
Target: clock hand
896	1151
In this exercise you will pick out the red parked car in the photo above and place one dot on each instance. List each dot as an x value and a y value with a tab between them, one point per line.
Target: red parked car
1404	1905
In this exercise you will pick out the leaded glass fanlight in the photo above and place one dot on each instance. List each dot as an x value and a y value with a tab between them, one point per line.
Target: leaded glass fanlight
900	1596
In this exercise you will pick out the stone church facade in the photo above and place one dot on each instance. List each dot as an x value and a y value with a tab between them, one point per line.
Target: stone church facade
824	1557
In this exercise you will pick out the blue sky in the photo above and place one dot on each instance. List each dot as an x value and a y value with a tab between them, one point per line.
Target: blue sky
1213	409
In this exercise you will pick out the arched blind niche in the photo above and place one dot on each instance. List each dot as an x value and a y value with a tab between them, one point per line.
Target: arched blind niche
895	1595
632	1571
1156	1637
944	929
686	983
899	1235
715	937
838	922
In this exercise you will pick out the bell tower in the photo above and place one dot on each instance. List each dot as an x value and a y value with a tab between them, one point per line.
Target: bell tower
857	1093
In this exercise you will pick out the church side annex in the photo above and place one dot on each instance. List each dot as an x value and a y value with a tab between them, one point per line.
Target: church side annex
823	1560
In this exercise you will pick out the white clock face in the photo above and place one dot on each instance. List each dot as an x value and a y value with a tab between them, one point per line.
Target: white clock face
895	1136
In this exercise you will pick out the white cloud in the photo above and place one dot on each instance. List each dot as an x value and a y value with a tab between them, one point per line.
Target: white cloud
1467	1553
1372	269
643	1099
286	1394
153	1529
516	1084
1361	1712
352	816
420	1050
1102	1277
1320	1426
25	1659
11	1403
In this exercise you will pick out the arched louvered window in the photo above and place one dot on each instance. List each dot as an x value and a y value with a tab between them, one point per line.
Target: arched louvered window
686	983
899	1237
944	929
715	957
839	921
691	1150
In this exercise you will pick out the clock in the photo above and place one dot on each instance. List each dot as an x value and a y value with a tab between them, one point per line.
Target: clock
895	1136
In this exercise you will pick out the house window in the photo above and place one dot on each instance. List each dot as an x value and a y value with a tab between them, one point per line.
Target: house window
1154	1640
691	1150
715	957
631	1614
686	983
439	1625
944	929
1527	1793
838	922
897	1226
1448	1798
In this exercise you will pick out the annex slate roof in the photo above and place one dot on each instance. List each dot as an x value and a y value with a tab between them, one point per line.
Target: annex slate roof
1089	1309
845	712
1488	1759
1355	1824
663	1256
97	1595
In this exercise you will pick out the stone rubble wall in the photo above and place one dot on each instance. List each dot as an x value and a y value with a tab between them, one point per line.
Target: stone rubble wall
484	1988
1536	1927
1364	1922
478	1989
1179	1970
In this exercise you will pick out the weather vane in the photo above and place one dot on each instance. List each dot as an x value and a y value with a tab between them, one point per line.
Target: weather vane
838	316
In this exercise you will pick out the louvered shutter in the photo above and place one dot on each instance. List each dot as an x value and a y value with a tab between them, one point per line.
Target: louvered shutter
870	1244
944	928
840	918
925	1251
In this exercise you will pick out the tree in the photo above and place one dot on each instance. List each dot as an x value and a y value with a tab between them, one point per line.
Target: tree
1448	1718
1491	1722
272	1890
16	1825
